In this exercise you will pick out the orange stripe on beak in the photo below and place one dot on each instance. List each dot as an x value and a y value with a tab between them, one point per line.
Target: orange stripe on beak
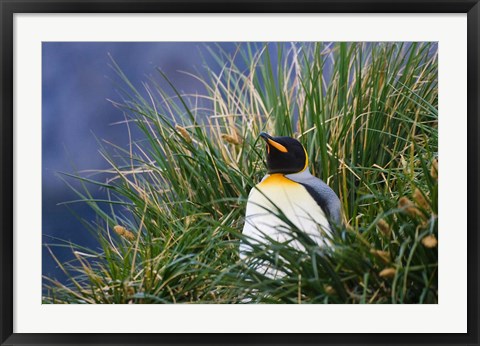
277	146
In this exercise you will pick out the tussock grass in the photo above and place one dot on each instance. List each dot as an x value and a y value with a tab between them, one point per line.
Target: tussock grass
170	225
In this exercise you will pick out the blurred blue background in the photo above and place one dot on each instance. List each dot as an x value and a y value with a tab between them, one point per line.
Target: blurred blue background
77	84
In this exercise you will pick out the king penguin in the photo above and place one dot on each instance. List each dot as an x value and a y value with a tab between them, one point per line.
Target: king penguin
289	191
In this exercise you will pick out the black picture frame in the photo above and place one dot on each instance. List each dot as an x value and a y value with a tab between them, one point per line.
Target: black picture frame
10	7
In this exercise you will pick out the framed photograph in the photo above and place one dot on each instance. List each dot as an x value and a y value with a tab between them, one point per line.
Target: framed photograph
268	172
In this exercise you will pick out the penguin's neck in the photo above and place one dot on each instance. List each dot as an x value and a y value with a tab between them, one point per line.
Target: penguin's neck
293	176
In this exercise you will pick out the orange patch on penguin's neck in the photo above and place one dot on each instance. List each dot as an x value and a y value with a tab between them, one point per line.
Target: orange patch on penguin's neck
306	160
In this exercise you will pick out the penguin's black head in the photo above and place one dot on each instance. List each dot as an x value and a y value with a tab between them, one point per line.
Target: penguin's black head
284	154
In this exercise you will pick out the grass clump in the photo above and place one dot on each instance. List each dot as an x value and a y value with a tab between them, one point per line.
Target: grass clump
170	225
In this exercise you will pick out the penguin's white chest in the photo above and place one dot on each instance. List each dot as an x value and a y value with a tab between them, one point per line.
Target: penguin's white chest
278	195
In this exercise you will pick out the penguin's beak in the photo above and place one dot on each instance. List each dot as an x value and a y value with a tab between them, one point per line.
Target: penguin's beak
271	142
265	136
